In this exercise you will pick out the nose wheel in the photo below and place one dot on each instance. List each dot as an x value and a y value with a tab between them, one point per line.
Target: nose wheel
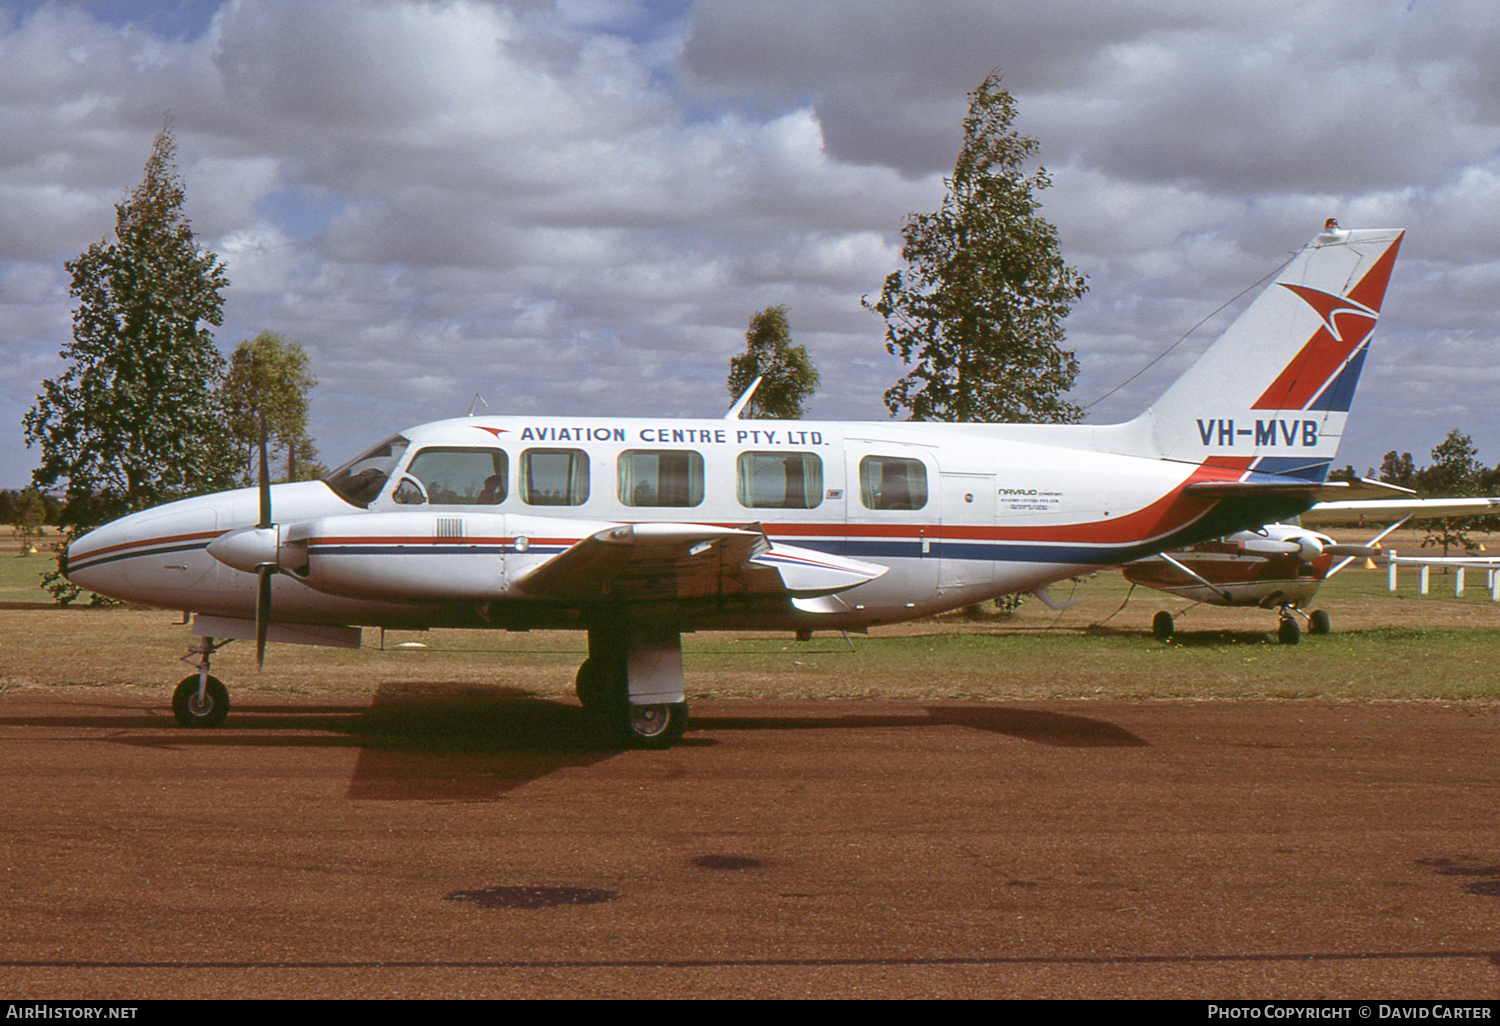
201	700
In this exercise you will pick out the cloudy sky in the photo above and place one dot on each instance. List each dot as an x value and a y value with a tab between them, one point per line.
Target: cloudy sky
575	207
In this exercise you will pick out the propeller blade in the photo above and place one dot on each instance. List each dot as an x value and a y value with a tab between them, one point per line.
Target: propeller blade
1357	551
265	477
263	612
265	571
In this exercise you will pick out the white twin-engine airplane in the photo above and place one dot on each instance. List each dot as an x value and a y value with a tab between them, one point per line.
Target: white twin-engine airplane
637	530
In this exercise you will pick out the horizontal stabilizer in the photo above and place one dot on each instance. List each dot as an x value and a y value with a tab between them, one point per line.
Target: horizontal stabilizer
1261	489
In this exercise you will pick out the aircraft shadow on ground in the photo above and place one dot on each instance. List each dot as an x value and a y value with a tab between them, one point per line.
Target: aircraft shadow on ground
441	741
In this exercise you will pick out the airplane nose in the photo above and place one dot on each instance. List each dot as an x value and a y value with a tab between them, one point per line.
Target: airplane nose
145	557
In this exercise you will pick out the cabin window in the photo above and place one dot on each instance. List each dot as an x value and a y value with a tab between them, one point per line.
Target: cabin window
779	480
455	476
892	482
661	477
361	479
554	477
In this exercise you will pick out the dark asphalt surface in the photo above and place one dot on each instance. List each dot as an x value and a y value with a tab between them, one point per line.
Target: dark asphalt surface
440	843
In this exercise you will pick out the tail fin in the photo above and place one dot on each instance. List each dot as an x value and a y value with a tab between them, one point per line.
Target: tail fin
1272	394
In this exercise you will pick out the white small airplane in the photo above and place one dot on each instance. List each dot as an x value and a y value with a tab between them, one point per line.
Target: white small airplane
1282	566
637	530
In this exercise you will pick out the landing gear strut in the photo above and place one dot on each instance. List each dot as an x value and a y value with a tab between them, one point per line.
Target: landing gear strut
201	700
632	680
1288	632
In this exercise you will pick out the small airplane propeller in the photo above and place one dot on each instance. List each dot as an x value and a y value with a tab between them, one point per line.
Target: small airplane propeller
265	571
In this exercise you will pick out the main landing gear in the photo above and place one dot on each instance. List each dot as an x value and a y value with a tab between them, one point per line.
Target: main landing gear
1288	630
632	680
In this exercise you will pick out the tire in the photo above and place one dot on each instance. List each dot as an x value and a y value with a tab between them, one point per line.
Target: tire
1287	632
210	713
654	727
591	687
1319	623
1162	626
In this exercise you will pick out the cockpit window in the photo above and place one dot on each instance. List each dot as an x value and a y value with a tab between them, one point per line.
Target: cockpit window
360	480
456	476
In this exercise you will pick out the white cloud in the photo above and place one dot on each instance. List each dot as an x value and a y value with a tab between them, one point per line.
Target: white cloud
578	207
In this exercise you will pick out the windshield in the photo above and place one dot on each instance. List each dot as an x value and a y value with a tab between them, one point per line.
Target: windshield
360	480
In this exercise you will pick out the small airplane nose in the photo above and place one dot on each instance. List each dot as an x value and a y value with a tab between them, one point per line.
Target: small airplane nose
145	557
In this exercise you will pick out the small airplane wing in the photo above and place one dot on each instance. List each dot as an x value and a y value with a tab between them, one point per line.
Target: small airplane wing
667	561
1416	509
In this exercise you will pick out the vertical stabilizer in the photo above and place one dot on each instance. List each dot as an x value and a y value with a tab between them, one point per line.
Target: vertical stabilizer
1272	394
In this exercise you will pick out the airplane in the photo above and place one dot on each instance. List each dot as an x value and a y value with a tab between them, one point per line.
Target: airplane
1282	566
638	530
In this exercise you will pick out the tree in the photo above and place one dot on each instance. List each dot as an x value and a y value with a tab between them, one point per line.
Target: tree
26	519
790	378
978	315
268	374
1455	472
136	419
1398	469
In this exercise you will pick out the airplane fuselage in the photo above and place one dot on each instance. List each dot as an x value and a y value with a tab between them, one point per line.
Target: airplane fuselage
956	514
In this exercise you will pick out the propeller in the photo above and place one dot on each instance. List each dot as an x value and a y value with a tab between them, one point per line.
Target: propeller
255	550
1357	551
1303	545
264	571
1309	547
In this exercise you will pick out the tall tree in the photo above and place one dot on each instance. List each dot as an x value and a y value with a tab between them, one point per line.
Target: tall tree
1398	469
268	374
790	378
978	316
1455	472
136	419
26	519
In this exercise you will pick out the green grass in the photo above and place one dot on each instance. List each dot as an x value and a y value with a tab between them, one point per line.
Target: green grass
1384	646
21	576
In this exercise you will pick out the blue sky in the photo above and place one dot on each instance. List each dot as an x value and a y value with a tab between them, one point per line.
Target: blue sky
576	207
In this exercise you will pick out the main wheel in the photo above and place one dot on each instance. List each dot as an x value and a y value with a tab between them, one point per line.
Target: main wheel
1288	633
1319	623
1162	626
592	687
653	726
208	711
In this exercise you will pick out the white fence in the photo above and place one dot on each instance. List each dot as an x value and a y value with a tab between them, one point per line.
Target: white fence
1424	564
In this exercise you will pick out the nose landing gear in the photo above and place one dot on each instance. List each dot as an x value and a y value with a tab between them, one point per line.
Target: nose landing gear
201	700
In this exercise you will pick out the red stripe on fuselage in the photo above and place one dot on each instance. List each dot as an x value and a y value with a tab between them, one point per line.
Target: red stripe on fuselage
172	539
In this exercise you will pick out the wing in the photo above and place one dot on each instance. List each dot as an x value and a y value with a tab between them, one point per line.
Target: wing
1417	509
436	556
666	561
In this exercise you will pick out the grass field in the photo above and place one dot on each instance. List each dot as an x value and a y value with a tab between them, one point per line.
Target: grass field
1384	646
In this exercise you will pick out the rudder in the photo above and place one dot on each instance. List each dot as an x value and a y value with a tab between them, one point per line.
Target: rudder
1272	393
